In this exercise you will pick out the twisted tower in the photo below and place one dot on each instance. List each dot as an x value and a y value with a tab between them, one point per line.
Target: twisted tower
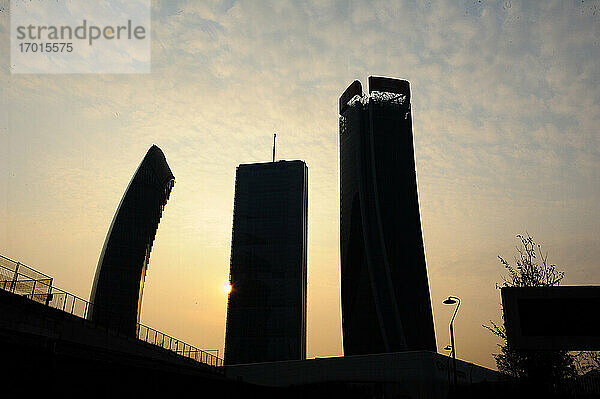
386	305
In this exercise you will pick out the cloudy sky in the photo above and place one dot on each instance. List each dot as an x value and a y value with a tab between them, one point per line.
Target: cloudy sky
506	113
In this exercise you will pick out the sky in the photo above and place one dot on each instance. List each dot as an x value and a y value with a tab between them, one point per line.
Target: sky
505	107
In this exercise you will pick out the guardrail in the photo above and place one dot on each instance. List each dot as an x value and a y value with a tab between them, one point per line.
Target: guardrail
154	337
38	287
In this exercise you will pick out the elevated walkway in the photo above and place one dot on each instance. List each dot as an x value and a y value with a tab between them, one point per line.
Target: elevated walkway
24	281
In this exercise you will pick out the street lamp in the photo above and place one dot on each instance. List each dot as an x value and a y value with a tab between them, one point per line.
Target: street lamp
451	301
449	349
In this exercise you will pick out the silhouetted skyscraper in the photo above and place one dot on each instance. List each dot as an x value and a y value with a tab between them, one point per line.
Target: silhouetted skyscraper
386	305
119	281
266	311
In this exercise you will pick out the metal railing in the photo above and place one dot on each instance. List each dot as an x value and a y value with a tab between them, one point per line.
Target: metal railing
154	337
38	287
23	269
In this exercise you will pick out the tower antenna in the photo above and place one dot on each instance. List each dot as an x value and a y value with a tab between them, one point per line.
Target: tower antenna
274	136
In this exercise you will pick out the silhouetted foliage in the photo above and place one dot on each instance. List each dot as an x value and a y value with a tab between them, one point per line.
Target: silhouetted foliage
531	267
586	361
548	369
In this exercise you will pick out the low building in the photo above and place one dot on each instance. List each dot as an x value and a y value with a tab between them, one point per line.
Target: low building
412	374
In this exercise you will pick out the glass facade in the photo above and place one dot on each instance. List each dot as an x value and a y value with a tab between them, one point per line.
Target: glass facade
119	280
266	312
386	305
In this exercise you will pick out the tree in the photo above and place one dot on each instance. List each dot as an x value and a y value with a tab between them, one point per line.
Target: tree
548	369
587	361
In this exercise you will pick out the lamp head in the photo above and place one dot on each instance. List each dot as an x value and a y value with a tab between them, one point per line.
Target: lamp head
449	301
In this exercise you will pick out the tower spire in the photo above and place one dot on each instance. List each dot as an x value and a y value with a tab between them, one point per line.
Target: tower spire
274	136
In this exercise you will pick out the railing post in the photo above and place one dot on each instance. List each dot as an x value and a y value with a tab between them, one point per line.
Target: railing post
33	290
15	277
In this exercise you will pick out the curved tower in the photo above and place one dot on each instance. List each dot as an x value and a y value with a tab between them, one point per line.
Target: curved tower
386	306
119	281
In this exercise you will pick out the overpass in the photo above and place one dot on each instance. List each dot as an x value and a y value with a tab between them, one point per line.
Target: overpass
48	345
27	282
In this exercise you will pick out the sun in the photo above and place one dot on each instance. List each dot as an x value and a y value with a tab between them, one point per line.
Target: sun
227	288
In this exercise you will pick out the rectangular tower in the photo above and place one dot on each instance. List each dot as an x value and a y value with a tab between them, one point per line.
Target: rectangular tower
266	310
386	305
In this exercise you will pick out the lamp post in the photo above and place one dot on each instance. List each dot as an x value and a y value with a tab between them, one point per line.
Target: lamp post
449	349
451	301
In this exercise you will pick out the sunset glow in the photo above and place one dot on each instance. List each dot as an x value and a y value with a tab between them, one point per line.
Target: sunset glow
227	288
505	106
